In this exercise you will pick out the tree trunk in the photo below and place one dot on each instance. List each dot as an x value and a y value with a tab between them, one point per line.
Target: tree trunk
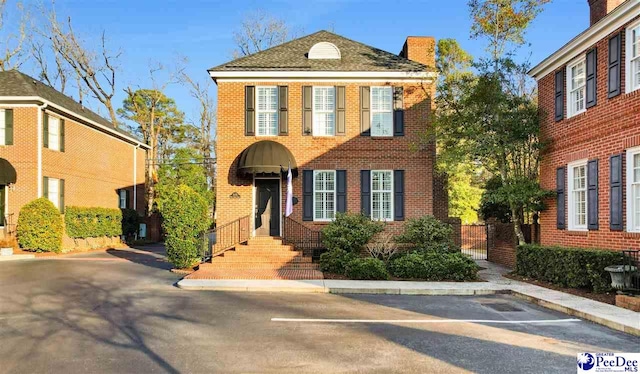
516	217
112	113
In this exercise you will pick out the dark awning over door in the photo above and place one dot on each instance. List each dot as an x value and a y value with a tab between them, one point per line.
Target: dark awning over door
265	157
7	172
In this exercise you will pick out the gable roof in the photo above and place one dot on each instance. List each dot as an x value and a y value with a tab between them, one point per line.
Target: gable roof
16	84
292	56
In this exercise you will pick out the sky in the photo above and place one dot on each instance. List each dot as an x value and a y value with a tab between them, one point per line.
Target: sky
160	31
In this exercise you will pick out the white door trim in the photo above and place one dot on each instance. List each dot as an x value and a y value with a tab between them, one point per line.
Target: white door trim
253	203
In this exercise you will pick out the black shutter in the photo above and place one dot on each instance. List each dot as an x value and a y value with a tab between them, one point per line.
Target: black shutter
398	195
365	111
398	111
61	138
283	116
341	104
61	195
8	127
307	110
613	66
250	110
592	195
591	83
365	192
615	192
341	191
560	200
45	187
127	195
559	95
307	195
45	130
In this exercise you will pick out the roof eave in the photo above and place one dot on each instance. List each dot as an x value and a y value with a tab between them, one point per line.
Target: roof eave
306	74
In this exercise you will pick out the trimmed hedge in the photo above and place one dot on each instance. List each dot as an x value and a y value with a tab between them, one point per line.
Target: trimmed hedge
366	268
350	232
434	266
85	222
130	222
567	267
40	226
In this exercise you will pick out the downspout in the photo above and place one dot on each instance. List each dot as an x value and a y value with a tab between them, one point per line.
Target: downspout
41	109
135	175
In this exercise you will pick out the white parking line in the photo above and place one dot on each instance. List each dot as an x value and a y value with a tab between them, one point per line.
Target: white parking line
329	320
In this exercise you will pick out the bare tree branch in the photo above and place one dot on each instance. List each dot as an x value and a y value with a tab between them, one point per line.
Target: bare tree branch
259	31
12	51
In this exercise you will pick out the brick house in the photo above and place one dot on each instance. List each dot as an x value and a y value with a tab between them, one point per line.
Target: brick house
52	146
589	95
348	118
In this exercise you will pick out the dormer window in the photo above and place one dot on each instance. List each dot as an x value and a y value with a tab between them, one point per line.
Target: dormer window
324	51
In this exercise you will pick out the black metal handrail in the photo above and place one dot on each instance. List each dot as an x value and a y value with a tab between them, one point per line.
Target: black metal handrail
631	270
229	235
302	238
9	226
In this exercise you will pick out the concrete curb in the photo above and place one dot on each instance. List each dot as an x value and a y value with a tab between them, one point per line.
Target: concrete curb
18	257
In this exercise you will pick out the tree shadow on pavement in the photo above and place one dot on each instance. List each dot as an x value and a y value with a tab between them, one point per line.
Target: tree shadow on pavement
150	255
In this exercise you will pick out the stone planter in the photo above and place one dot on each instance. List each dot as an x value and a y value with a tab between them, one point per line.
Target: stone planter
618	279
6	251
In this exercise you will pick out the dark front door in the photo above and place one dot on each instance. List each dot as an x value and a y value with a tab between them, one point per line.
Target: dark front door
267	209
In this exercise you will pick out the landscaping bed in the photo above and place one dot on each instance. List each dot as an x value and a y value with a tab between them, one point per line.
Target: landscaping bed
608	297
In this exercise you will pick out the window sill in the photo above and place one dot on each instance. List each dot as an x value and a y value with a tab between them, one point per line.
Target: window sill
631	235
574	115
382	137
578	232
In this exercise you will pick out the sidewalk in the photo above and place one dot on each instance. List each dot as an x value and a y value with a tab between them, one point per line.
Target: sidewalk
608	315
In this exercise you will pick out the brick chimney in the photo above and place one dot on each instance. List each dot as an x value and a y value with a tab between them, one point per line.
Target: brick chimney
420	49
600	8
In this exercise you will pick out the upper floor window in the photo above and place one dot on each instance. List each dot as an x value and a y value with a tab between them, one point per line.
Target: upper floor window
578	195
633	188
382	195
381	111
122	199
267	111
53	132
6	126
2	127
633	57
324	195
576	99
324	117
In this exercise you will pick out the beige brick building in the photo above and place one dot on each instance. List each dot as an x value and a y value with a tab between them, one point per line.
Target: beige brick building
52	146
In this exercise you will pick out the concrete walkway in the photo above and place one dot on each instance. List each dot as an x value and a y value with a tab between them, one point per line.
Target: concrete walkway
493	283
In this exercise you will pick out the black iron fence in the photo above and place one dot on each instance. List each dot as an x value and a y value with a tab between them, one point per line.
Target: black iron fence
302	238
631	275
474	241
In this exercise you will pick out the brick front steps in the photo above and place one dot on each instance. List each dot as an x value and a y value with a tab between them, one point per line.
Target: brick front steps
260	258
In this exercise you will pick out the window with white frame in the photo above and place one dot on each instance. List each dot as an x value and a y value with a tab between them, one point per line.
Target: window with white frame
324	195
382	195
54	133
633	57
578	195
53	191
576	99
2	128
123	199
267	111
381	111
324	117
633	188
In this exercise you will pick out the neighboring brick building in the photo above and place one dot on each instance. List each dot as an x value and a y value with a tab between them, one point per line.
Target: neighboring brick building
350	118
52	146
589	96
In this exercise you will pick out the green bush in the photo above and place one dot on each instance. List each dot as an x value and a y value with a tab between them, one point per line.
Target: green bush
40	226
335	261
83	222
427	234
130	222
366	268
350	232
434	266
186	218
567	267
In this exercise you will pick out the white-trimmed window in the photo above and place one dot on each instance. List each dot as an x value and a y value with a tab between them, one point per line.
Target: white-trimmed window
382	195
576	89
633	57
633	188
122	194
577	176
324	116
324	195
54	133
267	111
382	111
53	191
2	127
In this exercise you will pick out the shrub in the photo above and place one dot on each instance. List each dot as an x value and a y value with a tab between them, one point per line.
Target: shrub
383	247
40	226
83	222
434	266
186	218
427	234
349	232
366	268
130	222
335	261
567	267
